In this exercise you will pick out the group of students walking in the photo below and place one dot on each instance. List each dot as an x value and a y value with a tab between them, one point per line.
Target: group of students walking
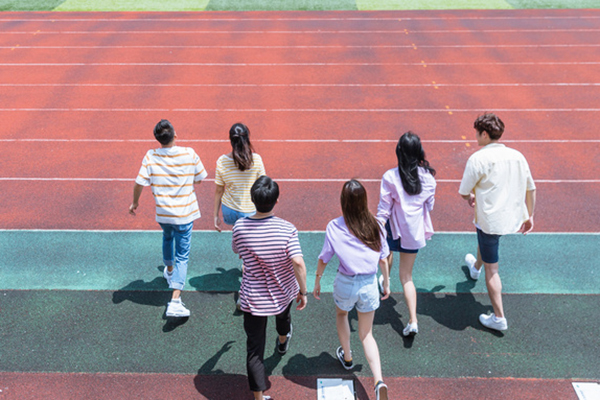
496	182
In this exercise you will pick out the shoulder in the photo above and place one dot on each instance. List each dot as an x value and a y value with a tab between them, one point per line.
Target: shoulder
256	157
283	224
426	176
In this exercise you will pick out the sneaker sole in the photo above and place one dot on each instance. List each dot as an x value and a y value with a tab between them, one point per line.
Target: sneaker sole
342	362
180	315
383	393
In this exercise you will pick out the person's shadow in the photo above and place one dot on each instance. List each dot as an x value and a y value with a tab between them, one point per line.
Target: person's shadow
455	311
303	371
215	384
155	293
223	281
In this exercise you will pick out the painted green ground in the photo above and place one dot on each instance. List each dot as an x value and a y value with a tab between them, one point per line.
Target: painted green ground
549	336
256	5
130	260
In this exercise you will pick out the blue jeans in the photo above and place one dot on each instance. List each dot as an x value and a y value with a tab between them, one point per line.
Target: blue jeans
230	215
182	235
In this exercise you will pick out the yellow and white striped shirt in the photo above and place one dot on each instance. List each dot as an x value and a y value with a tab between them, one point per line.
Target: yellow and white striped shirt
238	183
172	172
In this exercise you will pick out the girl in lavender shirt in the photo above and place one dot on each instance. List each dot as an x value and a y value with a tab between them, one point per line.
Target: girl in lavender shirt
358	241
406	199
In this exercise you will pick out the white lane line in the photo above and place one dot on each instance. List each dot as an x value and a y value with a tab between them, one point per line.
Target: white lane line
473	46
326	180
447	141
310	85
296	110
52	17
296	32
307	64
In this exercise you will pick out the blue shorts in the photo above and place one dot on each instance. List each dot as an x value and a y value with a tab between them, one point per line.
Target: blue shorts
488	246
230	215
395	245
359	290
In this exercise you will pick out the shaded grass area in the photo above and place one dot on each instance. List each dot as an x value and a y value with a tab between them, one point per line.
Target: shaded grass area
549	336
132	260
309	5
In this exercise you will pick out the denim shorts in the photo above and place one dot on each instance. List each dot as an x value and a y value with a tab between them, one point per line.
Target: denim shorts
230	215
359	290
395	244
488	246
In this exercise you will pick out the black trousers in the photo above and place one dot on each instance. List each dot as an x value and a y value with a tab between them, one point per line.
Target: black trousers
256	332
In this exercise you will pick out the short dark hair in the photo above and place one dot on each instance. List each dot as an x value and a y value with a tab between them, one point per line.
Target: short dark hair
264	193
164	132
491	124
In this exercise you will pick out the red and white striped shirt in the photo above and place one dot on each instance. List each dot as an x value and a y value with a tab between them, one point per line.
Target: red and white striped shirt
267	246
172	172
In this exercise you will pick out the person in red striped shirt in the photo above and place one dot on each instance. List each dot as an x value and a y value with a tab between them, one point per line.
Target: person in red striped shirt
274	275
172	171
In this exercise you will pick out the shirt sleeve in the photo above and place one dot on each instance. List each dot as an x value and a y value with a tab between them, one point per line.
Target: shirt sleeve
143	177
384	208
199	170
261	167
430	201
219	173
385	248
234	240
293	246
327	252
469	179
530	182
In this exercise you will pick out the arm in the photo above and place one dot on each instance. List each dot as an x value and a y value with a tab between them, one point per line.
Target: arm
320	269
300	273
137	192
470	198
219	190
385	271
530	202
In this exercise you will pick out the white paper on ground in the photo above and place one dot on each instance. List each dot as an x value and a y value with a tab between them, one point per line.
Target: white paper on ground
335	389
587	390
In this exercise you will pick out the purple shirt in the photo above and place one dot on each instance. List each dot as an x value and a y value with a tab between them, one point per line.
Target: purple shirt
355	257
409	215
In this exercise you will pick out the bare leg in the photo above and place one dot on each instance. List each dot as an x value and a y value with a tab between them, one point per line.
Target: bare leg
407	261
343	330
365	333
390	260
479	262
258	395
176	294
494	287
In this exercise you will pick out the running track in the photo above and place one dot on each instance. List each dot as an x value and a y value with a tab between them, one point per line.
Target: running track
325	95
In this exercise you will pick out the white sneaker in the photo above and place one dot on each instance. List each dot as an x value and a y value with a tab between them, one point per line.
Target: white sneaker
410	329
491	322
167	276
177	309
380	281
381	391
474	272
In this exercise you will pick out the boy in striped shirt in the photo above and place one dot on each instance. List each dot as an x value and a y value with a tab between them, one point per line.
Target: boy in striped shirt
274	275
171	171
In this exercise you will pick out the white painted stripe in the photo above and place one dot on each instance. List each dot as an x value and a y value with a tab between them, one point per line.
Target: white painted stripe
342	110
44	140
52	18
308	64
326	180
550	84
296	32
455	46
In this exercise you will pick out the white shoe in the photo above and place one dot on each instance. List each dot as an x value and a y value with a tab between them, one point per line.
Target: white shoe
380	281
410	329
381	391
491	322
167	276
474	272
177	309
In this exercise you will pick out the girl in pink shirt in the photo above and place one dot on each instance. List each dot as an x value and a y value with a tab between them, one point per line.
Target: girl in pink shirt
405	202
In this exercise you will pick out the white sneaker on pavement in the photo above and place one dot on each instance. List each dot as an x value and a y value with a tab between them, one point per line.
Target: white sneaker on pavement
176	308
167	276
474	272
492	322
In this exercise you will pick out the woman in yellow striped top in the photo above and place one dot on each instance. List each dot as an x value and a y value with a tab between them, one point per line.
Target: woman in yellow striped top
236	173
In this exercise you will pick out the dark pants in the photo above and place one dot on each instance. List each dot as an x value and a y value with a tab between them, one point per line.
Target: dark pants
256	331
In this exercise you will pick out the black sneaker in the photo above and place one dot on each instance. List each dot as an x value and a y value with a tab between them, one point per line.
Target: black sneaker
282	348
340	355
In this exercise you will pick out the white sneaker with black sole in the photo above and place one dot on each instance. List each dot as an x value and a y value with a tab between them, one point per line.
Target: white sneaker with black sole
410	329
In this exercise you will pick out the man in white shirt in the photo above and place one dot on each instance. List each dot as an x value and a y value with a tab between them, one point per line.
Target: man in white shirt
171	171
498	184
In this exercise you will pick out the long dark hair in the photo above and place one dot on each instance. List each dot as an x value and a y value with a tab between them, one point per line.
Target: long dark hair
410	156
358	218
239	136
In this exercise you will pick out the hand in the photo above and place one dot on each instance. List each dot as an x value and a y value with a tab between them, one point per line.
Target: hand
386	289
217	223
132	208
302	300
471	200
317	291
527	226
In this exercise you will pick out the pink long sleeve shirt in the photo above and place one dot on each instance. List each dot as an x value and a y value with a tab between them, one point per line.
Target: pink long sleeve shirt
409	215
